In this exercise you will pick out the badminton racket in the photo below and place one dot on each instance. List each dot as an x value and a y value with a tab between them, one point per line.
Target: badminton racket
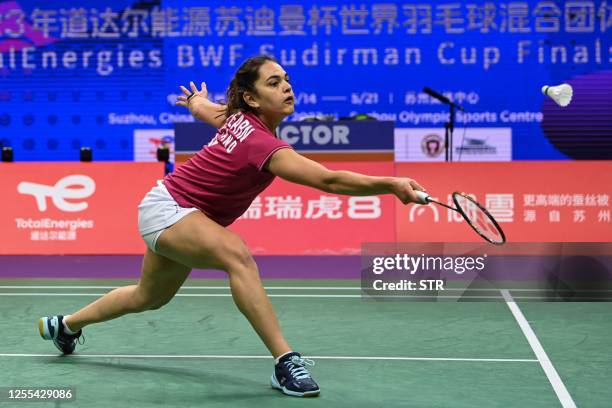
473	213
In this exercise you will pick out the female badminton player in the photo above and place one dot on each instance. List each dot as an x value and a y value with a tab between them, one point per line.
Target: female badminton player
183	218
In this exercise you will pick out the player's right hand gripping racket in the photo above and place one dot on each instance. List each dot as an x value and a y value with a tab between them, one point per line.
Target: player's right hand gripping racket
475	214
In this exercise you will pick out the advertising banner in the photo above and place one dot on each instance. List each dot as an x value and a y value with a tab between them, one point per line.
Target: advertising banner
319	137
73	208
469	145
532	201
90	208
344	58
147	141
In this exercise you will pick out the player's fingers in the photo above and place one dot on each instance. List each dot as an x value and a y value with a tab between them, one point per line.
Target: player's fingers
413	198
193	87
407	195
416	185
185	90
204	91
181	103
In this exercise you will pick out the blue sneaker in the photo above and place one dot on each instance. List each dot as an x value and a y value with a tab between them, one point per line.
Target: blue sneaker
52	328
292	378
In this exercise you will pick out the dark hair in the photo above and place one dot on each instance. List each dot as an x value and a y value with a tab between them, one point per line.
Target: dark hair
244	81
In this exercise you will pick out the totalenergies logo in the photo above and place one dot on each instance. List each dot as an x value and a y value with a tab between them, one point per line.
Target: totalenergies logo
70	187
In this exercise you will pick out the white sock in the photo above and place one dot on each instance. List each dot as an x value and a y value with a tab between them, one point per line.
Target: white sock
281	356
66	328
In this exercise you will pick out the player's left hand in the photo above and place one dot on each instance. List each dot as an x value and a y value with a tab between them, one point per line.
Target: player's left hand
185	100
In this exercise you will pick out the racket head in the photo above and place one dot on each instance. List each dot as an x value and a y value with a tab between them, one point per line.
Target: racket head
479	218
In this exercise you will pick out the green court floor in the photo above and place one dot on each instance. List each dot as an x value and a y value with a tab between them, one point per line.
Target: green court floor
200	351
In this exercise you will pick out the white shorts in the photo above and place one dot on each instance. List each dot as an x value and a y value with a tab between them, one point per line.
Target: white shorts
158	211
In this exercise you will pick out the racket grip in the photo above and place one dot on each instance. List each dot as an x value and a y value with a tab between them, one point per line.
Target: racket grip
423	197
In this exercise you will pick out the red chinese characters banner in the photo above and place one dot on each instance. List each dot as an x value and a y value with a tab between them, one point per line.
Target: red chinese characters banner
532	201
73	208
91	208
289	219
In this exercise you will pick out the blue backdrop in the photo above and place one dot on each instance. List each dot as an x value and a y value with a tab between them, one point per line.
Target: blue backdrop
72	76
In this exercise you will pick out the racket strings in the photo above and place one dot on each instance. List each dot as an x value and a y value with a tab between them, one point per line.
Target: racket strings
479	219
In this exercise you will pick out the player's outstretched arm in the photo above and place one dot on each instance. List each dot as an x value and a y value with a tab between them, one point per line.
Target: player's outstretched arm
200	106
291	166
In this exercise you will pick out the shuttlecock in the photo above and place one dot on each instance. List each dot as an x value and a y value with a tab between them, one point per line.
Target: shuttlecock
561	94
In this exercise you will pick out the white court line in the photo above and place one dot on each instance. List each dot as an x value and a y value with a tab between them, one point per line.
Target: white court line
269	295
321	296
213	356
294	288
186	287
553	377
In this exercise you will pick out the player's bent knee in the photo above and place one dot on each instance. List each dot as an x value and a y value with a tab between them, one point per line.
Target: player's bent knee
235	255
241	261
144	301
156	302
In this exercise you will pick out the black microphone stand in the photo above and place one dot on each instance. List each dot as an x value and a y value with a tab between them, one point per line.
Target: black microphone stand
449	128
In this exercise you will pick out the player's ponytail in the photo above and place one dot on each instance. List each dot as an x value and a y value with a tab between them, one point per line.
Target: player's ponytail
244	81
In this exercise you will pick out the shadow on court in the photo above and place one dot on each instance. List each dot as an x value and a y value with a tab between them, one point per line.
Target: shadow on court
187	386
198	376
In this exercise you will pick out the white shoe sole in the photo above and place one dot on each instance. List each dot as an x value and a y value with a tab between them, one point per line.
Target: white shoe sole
43	327
45	332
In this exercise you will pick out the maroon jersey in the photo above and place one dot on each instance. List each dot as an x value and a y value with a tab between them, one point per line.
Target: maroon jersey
223	178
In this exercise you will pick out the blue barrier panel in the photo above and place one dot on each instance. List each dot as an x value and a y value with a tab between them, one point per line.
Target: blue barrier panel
320	137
